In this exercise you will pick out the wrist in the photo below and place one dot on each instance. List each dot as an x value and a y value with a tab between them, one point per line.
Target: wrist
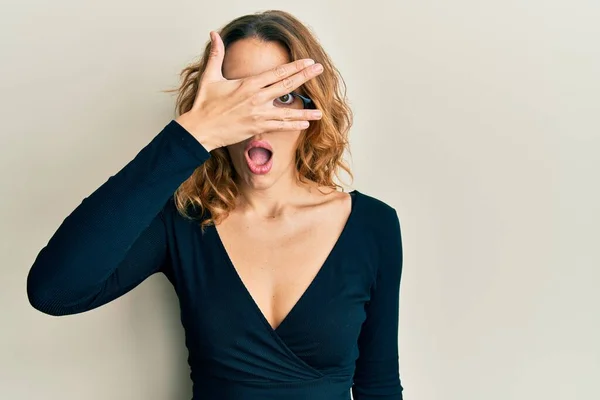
199	132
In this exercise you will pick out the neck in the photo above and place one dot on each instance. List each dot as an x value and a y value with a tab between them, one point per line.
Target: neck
276	201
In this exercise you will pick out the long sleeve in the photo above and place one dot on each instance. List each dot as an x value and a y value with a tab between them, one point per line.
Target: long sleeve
116	237
377	371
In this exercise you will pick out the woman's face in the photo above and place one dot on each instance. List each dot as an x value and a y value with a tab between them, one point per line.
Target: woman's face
257	167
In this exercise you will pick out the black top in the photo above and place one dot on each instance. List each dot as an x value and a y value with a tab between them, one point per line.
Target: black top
342	334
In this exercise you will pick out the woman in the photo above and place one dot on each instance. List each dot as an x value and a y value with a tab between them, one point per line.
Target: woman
288	287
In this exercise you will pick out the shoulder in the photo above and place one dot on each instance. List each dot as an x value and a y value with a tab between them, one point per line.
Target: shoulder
172	214
378	220
375	212
380	232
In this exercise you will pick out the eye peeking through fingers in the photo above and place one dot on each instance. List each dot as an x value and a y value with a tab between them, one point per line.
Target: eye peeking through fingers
289	100
293	100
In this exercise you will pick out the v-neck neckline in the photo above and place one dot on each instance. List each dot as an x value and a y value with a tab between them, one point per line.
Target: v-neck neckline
311	285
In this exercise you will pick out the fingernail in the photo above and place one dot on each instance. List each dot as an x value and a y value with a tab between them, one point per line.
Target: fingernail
317	114
318	68
308	63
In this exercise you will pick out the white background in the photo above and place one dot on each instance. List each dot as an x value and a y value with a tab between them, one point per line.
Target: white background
477	120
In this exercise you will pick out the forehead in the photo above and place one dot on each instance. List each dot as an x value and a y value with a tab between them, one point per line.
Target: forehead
251	56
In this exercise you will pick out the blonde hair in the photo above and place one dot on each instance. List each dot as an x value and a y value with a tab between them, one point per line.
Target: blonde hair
319	155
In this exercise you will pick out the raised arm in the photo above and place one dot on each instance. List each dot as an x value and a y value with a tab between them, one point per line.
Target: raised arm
115	238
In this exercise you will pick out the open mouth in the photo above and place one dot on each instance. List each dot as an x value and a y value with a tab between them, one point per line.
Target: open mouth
259	157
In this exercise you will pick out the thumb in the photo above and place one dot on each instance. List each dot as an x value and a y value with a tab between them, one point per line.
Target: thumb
213	70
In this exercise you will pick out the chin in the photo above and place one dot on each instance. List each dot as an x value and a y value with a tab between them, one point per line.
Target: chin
258	182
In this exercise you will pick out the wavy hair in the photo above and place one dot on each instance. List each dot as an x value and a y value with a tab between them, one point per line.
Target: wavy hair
212	187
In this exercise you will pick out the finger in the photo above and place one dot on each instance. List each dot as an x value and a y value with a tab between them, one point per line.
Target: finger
281	125
290	83
214	66
278	73
288	114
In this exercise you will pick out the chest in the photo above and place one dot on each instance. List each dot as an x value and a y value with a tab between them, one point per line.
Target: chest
300	298
277	262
